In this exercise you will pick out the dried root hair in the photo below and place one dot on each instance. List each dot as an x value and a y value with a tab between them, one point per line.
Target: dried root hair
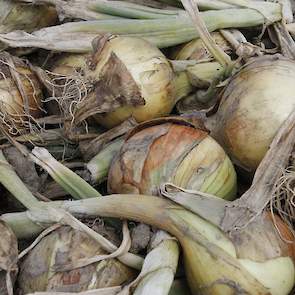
14	122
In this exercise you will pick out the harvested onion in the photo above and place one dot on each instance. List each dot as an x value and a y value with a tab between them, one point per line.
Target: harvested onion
171	150
128	77
61	247
254	104
20	94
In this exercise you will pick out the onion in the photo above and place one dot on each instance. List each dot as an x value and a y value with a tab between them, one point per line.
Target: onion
147	74
20	94
253	106
196	49
171	150
128	76
63	246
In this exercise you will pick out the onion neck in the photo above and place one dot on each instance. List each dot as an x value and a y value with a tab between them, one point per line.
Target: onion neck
182	86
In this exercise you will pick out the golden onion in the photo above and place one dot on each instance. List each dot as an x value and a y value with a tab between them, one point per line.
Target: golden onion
144	70
254	104
66	245
171	150
128	76
20	94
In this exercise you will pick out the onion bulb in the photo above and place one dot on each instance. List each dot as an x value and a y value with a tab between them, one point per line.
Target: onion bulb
66	245
171	150
20	94
196	50
128	76
257	100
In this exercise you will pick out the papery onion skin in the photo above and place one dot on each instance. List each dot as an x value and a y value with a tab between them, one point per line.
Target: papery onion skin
63	246
20	92
253	106
8	257
171	152
24	16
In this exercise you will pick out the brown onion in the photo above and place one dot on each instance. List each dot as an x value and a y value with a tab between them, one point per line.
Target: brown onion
63	246
171	150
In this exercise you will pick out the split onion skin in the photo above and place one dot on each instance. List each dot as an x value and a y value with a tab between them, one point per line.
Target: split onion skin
171	152
257	100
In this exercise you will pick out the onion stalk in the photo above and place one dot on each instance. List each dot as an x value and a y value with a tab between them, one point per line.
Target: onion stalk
77	36
96	9
159	267
99	165
70	181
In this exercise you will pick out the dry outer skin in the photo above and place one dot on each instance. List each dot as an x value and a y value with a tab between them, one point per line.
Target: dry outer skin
8	256
171	153
63	246
21	16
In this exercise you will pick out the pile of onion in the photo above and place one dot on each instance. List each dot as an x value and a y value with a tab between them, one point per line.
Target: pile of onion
171	150
20	94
